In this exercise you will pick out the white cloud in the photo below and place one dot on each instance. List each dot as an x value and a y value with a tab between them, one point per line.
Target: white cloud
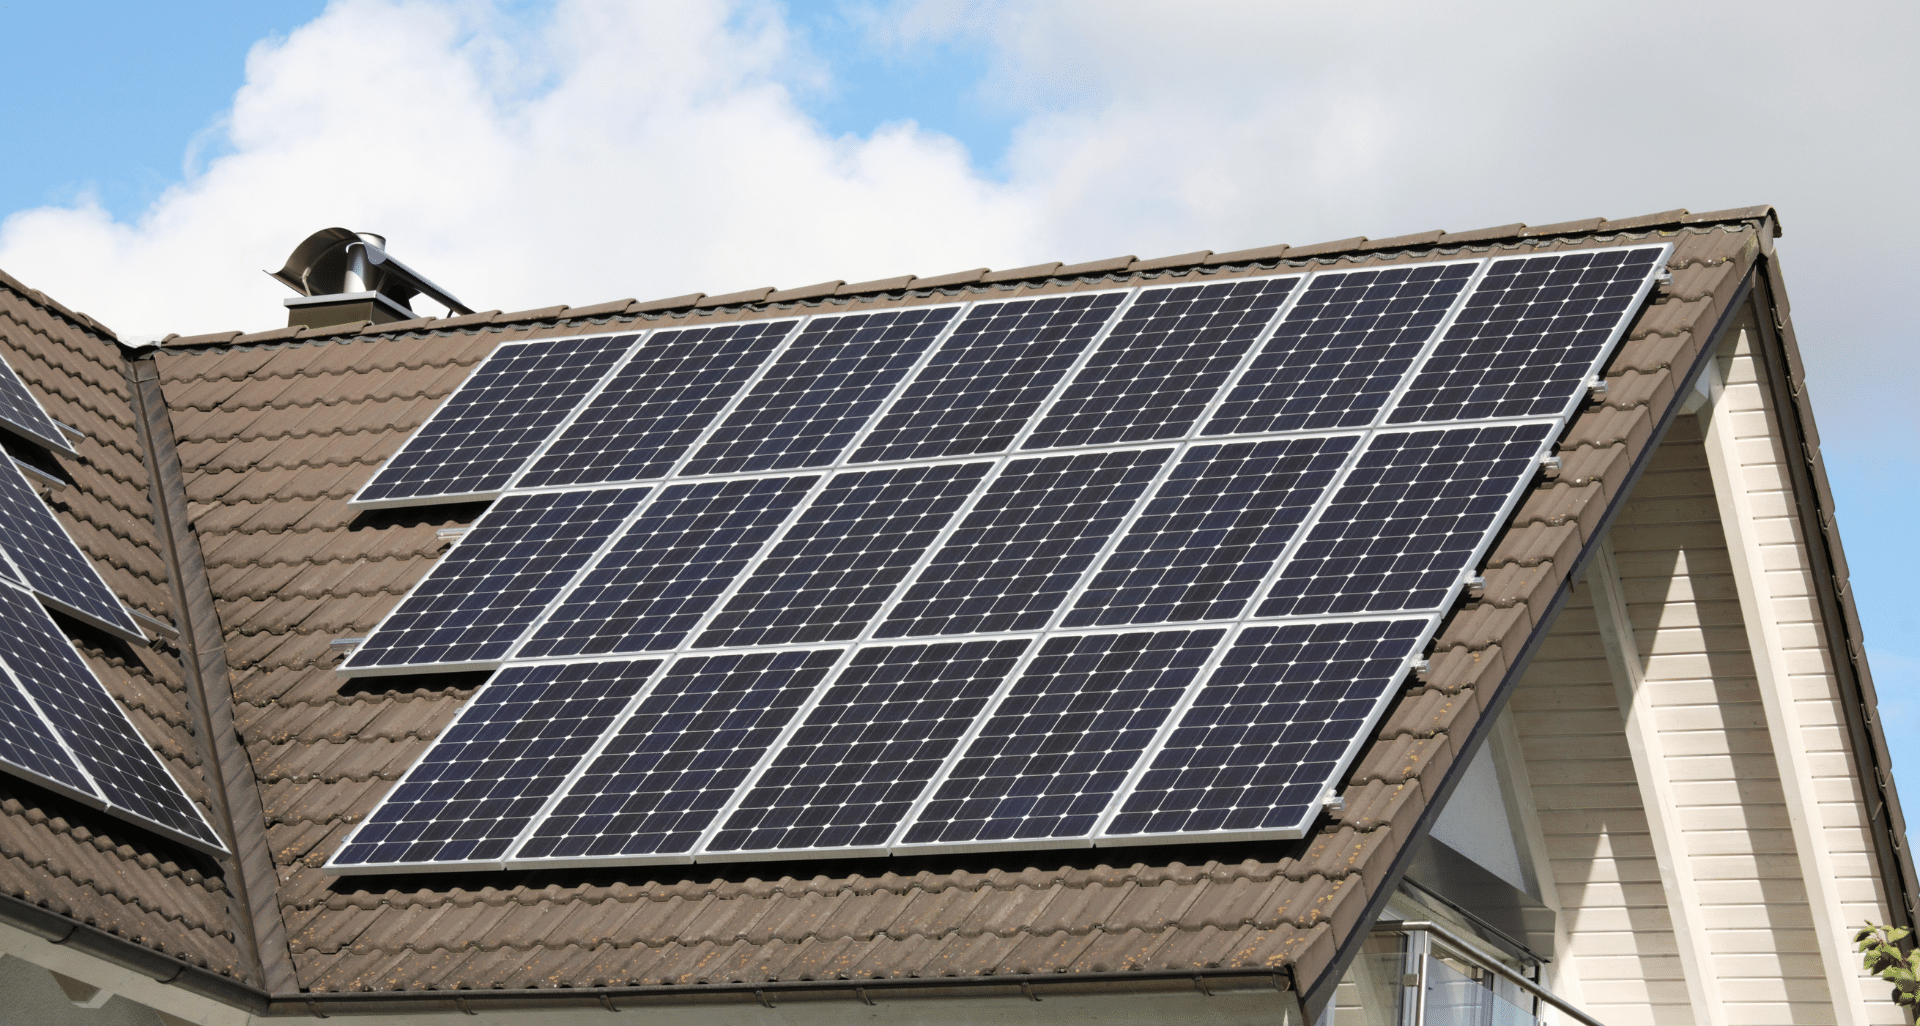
607	149
619	150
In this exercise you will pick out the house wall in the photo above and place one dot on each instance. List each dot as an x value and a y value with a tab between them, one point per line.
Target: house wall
1683	886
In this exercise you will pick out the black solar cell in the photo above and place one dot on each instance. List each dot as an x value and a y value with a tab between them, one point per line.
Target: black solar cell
484	594
654	407
821	391
672	563
1529	337
28	742
1202	545
1053	753
1161	365
1404	525
847	777
1263	738
671	766
987	380
48	560
840	560
486	430
489	773
1024	544
1341	349
21	412
1121	736
96	729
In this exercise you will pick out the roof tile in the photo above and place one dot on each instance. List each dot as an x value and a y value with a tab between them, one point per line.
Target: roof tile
276	438
1111	265
1505	231
825	288
1169	262
735	298
1262	254
939	281
881	285
1022	273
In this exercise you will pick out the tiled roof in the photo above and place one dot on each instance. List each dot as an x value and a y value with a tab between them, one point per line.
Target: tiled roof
276	430
55	853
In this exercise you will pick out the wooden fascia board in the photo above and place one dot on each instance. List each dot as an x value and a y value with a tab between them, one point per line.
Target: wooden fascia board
1839	616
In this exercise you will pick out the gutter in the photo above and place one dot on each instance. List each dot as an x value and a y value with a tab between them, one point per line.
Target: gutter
58	929
622	999
1319	994
55	928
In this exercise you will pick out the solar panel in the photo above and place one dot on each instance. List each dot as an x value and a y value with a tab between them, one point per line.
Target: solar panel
848	776
30	745
1531	335
1048	552
989	377
492	770
92	727
499	417
1161	365
23	415
1267	733
1053	753
1342	349
46	559
820	391
656	405
1203	544
675	762
1408	520
1024	544
496	581
668	568
843	556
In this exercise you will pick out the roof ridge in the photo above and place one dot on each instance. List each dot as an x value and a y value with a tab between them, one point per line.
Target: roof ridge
1119	268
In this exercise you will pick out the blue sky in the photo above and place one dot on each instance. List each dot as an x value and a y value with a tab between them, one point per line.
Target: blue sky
503	147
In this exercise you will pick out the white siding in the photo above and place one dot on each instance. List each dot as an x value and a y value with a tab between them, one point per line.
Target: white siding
1756	470
1745	878
1683	604
1618	933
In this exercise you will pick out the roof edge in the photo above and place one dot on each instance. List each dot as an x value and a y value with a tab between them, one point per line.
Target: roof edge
1318	993
1358	248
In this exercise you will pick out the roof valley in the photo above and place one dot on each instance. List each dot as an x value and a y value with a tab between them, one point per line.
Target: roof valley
232	785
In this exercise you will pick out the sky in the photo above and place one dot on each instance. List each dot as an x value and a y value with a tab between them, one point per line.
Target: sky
527	154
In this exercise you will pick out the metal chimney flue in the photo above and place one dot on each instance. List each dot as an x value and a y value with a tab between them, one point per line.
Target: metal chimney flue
346	276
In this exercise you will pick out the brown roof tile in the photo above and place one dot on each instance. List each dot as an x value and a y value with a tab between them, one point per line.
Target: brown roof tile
1021	273
939	281
1169	262
1263	254
1326	248
275	437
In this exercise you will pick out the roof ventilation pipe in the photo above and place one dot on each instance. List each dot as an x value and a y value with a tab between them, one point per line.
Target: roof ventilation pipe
346	276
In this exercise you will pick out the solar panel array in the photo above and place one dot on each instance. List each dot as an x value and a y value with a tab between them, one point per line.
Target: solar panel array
23	415
1113	566
42	555
58	724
